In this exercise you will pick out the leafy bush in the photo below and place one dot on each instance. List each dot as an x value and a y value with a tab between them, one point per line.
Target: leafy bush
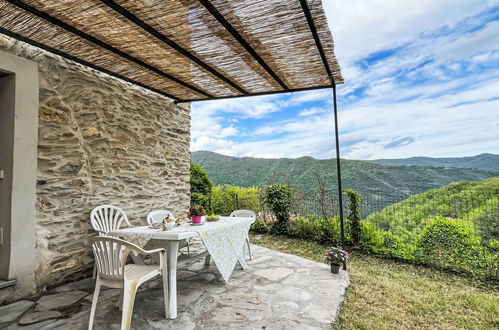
227	198
370	237
260	226
322	230
354	215
200	186
449	244
278	198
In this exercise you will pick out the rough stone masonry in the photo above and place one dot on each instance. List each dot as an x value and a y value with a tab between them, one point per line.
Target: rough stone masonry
100	141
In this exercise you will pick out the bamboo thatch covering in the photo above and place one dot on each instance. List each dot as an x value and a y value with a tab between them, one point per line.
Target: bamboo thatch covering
186	49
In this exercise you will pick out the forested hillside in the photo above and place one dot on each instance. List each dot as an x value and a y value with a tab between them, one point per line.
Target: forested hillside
390	183
488	162
472	203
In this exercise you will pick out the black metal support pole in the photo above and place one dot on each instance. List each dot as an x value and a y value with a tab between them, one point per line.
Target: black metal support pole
338	166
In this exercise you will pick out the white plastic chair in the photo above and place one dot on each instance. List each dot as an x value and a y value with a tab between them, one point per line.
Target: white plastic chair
245	214
158	216
111	255
105	218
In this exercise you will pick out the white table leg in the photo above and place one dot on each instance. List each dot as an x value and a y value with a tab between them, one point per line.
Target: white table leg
240	258
172	278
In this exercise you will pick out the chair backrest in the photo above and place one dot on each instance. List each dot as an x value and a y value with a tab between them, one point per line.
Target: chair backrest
110	255
157	216
107	218
243	213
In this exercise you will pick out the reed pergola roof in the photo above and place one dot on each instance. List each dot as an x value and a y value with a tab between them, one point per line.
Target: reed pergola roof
188	50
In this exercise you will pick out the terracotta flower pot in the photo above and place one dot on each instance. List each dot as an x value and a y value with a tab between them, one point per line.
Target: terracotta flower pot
335	269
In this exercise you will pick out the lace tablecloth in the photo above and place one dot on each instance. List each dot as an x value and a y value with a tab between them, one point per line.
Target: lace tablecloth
224	239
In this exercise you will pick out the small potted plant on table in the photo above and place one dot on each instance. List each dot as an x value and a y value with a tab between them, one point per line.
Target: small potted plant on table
196	213
336	257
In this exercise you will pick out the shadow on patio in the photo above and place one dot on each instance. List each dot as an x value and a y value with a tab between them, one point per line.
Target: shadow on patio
278	291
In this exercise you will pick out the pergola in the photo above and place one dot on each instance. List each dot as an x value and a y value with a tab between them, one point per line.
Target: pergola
189	50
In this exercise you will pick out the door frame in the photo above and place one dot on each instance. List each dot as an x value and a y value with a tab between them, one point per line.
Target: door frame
22	263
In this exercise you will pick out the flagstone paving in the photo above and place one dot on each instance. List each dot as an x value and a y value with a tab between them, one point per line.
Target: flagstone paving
278	291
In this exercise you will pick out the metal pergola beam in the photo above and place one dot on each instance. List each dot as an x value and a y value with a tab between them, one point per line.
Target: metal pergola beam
257	94
131	17
102	44
82	62
313	30
215	13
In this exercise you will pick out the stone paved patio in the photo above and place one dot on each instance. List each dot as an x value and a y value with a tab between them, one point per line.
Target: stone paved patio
279	291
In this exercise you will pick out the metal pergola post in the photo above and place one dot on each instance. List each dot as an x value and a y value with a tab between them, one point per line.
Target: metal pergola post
338	165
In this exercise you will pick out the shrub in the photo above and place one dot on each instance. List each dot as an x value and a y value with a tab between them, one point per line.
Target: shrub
278	197
200	186
260	226
354	215
322	230
370	236
449	244
227	198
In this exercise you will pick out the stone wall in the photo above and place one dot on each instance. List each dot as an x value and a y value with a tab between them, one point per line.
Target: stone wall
100	141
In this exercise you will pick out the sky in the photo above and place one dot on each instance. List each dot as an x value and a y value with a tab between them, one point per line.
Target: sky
421	79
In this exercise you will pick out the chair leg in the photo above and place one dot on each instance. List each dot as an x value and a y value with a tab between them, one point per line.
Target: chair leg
94	272
249	248
188	247
164	278
129	291
94	304
120	302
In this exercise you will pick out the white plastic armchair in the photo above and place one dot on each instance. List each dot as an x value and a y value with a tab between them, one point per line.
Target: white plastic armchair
105	218
158	216
111	256
245	214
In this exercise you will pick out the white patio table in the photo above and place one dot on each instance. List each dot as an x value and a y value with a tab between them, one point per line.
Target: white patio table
224	241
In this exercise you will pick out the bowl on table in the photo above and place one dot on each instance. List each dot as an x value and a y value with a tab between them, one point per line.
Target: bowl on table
168	225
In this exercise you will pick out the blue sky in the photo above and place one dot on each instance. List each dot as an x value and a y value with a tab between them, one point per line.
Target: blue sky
422	79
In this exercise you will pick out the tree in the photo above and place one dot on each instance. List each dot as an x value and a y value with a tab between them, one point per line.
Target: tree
200	186
354	215
278	199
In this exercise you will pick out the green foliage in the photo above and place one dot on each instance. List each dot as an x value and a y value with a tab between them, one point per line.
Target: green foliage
476	203
277	198
354	215
449	244
322	230
370	238
226	198
200	186
260	226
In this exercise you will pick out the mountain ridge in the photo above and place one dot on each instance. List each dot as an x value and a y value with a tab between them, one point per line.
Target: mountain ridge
372	180
484	161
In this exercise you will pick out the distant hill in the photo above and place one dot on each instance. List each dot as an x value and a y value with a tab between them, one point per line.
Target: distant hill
381	184
488	162
475	203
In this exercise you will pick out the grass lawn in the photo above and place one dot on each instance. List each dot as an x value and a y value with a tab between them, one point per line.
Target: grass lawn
386	294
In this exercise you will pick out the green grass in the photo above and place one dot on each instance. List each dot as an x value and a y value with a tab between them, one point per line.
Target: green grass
386	294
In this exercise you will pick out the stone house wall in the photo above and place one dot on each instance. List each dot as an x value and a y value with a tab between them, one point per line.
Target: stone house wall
100	141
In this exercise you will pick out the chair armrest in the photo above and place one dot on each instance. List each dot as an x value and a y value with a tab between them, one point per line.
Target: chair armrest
159	250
